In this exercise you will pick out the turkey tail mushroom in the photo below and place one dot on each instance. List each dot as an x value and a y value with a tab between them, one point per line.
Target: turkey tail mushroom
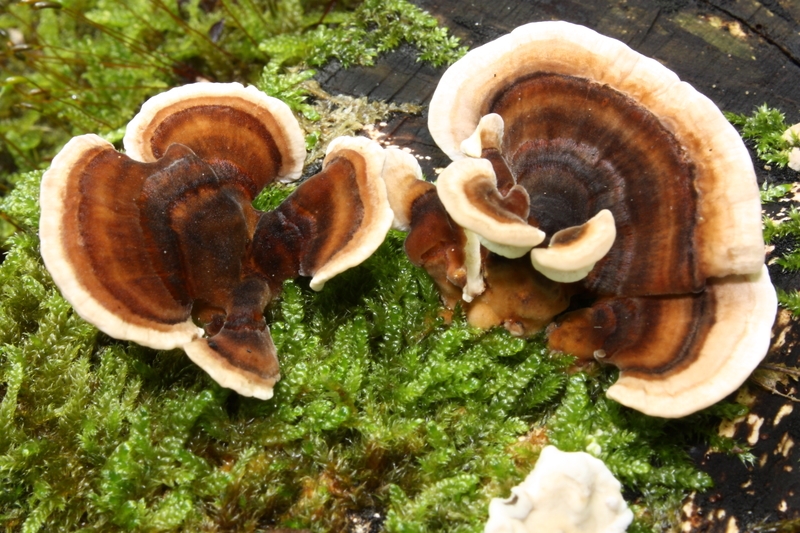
644	194
144	247
333	221
589	124
676	354
434	242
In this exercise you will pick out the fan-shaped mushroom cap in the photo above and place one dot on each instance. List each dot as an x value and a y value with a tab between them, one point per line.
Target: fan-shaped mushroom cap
331	222
468	190
405	186
488	134
141	248
87	244
355	245
227	121
138	248
676	354
579	104
241	356
231	371
567	492
573	252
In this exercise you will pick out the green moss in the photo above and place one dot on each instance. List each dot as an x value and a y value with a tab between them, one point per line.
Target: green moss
765	128
770	193
646	454
88	66
787	228
382	405
381	25
790	300
335	116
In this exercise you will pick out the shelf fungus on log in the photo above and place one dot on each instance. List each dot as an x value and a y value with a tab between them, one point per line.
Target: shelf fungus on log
595	172
434	241
146	245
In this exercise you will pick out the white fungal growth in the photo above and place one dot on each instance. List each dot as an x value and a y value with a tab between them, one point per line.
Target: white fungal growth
566	492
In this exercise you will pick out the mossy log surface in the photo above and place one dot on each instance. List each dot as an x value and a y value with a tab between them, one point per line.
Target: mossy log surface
740	53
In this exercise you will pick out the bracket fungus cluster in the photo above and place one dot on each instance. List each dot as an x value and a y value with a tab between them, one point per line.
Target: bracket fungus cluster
591	193
149	244
588	178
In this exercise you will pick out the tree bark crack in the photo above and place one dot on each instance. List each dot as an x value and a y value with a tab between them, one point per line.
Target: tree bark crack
757	29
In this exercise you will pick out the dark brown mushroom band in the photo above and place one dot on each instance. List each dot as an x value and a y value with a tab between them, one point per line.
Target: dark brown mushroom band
585	147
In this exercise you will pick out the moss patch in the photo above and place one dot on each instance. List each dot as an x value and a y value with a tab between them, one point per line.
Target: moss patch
85	66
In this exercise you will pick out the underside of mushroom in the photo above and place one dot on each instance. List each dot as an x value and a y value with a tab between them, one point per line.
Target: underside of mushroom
587	170
147	245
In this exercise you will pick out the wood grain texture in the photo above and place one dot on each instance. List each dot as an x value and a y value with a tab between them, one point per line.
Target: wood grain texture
739	53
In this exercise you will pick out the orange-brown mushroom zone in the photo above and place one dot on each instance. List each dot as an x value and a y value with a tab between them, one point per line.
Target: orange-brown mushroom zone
216	131
644	337
240	336
148	245
99	216
567	235
517	297
578	147
512	206
642	205
561	163
437	244
316	221
180	243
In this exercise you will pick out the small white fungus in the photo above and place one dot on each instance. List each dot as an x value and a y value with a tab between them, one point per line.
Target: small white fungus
566	492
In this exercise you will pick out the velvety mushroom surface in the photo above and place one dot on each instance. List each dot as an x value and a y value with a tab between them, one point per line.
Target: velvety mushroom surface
587	169
577	105
221	121
145	249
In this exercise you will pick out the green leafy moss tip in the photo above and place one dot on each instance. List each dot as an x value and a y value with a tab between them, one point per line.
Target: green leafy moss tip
87	66
382	405
765	128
